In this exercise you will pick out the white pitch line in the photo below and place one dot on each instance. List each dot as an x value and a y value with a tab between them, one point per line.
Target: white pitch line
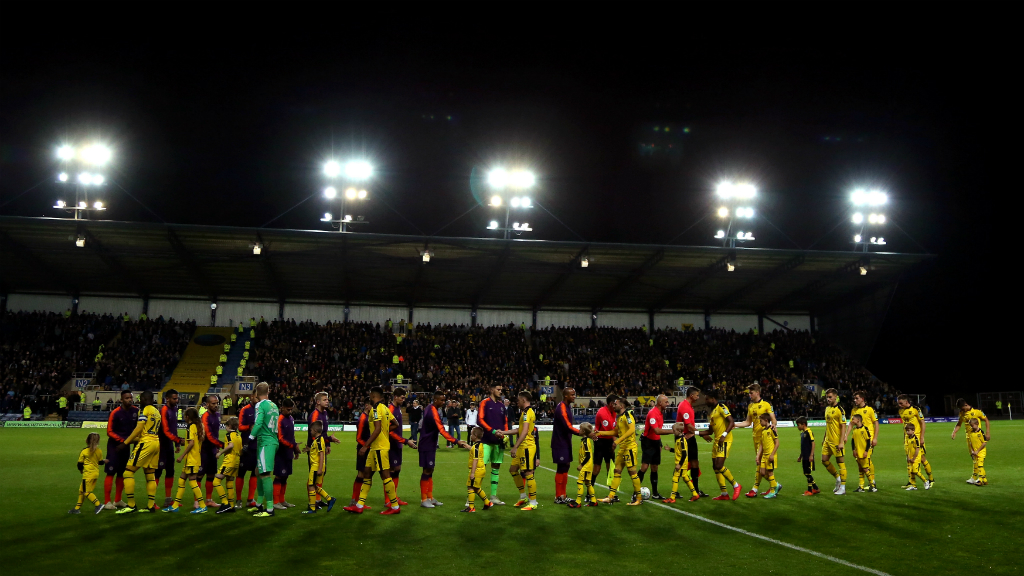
756	535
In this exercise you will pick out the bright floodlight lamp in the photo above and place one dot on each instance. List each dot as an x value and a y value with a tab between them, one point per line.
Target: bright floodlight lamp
720	234
80	241
584	262
514	202
85	178
862	197
730	267
724	189
82	204
65	152
863	271
327	217
98	206
723	212
97	179
358	169
351	193
525	202
495	200
332	169
330	192
60	204
857	238
362	194
257	248
426	254
522	179
858	218
97	154
63	177
347	218
493	225
497	179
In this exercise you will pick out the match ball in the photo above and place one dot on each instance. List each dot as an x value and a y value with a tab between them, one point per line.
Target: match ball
645	493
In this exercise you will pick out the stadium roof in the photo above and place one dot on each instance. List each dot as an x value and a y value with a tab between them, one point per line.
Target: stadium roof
146	259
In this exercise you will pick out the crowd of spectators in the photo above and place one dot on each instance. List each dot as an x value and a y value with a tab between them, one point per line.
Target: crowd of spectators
144	354
345	360
40	351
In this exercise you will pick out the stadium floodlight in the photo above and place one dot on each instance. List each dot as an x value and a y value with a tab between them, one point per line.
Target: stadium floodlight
857	237
97	154
728	190
63	177
863	271
85	178
500	180
514	202
720	234
98	206
524	202
358	169
493	225
97	179
723	212
347	218
495	200
584	262
522	179
497	178
80	241
257	248
426	254
60	204
65	152
351	193
861	197
362	194
82	204
744	212
332	169
330	192
730	267
858	218
327	217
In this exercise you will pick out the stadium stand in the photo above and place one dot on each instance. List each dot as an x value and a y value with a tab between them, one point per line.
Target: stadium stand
144	354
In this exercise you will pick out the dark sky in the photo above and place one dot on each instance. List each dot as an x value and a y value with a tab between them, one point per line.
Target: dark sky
225	116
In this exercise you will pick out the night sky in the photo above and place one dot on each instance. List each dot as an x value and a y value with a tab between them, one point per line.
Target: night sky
628	113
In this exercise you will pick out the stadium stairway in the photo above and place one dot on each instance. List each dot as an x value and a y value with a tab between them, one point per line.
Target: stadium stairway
199	362
234	359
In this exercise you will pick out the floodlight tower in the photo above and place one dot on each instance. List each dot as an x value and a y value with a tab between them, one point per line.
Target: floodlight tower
735	200
870	201
354	173
504	183
78	169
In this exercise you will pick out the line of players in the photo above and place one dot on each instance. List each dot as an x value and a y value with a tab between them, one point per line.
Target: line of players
380	443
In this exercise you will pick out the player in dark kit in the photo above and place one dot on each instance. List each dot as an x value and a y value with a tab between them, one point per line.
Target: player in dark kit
120	425
430	428
170	443
362	435
287	451
211	444
561	443
247	462
397	440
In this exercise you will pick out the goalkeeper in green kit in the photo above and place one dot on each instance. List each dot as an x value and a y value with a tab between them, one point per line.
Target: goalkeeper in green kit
264	432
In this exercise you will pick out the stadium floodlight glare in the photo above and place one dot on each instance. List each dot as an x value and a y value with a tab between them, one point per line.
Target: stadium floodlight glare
495	200
863	271
497	178
584	262
351	193
82	204
493	225
97	179
347	218
744	212
257	248
858	218
426	254
720	234
728	190
500	178
60	204
857	238
98	206
80	241
85	178
524	202
515	202
330	192
332	169
861	197
63	177
97	154
723	212
65	152
362	194
327	217
358	169
730	267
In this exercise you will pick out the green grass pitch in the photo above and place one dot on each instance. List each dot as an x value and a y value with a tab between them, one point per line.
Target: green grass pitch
954	528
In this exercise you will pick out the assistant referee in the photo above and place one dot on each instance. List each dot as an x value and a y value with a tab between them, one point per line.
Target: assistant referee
686	415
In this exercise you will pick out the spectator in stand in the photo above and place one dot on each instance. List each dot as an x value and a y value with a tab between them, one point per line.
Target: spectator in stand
415	412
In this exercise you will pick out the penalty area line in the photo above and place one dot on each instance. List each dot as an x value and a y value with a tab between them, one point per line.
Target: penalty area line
755	535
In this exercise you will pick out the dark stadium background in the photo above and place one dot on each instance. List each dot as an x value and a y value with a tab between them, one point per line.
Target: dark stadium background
223	115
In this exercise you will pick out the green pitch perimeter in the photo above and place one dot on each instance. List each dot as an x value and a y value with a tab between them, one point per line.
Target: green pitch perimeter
953	528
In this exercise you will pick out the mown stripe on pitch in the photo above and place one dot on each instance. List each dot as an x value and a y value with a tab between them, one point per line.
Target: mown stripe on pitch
758	536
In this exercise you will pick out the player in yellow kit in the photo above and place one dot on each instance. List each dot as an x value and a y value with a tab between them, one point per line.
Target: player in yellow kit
835	434
966	414
145	456
192	456
720	433
625	454
870	421
861	452
911	414
682	469
89	461
585	469
317	456
525	449
767	454
757	407
978	442
377	457
477	469
912	446
232	452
